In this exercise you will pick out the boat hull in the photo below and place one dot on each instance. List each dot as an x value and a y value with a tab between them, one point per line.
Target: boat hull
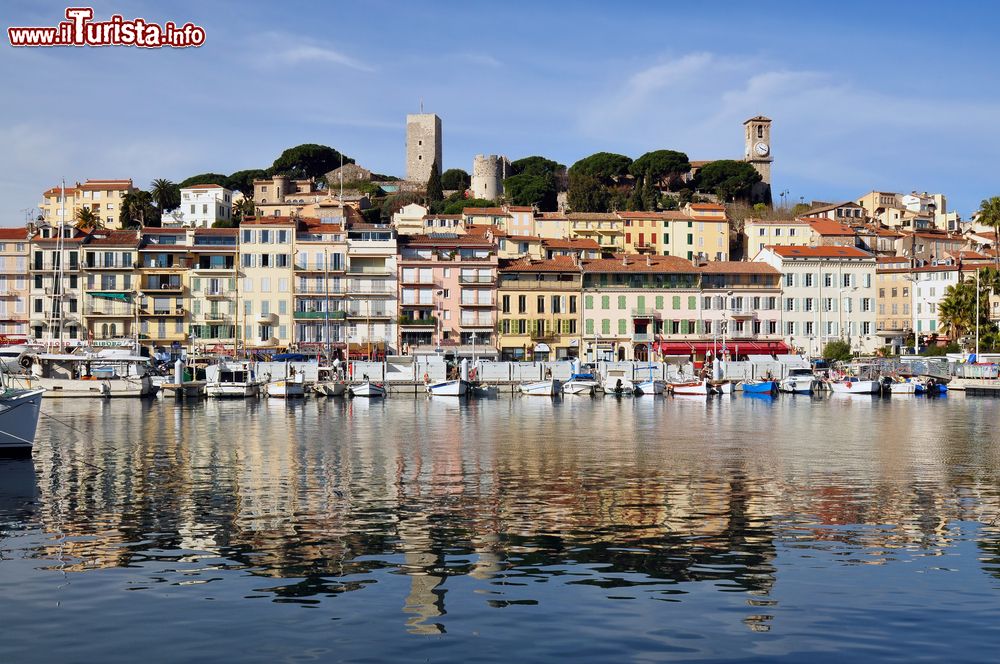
695	388
584	387
855	387
330	389
761	387
449	388
286	389
103	388
19	411
542	388
368	391
232	390
651	387
804	385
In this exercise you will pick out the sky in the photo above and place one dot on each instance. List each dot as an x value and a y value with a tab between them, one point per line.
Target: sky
898	96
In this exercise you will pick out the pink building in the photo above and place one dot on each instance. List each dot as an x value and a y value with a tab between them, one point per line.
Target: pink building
447	295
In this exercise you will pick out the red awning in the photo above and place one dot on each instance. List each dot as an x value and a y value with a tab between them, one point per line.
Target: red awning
734	346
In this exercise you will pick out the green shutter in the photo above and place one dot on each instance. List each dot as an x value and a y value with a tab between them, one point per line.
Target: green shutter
659	302
196	284
621	301
606	326
605	302
684	327
692	302
677	302
589	302
642	303
589	324
197	307
232	284
621	326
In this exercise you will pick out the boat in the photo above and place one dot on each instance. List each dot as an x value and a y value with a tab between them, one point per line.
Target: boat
541	388
287	388
448	388
854	385
800	380
760	387
617	383
581	383
233	380
103	374
329	382
695	387
721	386
651	387
902	386
368	390
19	411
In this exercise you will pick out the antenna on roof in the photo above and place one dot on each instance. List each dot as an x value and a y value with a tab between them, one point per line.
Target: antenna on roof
421	104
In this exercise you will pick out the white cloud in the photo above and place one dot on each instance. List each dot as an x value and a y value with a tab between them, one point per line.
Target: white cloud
483	59
305	53
277	49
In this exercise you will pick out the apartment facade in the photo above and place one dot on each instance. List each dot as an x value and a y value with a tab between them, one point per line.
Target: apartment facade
894	280
605	228
214	289
202	205
14	291
266	248
110	259
540	312
103	197
760	233
162	275
55	285
828	293
372	290
321	286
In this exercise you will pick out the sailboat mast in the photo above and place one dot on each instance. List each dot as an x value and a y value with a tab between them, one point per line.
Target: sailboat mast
326	308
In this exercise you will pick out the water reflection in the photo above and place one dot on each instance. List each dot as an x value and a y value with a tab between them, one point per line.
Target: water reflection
517	497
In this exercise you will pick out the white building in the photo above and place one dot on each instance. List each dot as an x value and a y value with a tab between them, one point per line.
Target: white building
930	285
371	281
201	206
828	293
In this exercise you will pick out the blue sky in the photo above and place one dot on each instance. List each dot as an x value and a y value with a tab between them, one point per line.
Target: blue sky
898	96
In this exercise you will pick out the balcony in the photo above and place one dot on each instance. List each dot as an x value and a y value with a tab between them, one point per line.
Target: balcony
162	312
163	286
320	315
10	293
645	312
419	281
370	272
267	319
478	323
408	321
542	335
477	280
117	265
218	292
463	303
743	313
362	315
212	317
51	266
642	337
422	305
314	266
116	312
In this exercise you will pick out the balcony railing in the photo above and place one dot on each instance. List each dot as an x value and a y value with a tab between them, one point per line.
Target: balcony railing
163	286
108	311
370	272
483	281
320	315
116	265
318	266
422	322
642	336
645	312
363	313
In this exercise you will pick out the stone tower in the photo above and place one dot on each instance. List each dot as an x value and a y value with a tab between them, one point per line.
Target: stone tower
423	146
757	153
488	173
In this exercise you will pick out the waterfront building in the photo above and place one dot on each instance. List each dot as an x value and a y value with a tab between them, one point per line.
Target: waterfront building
629	299
321	285
281	196
202	205
162	275
605	228
447	294
214	294
540	313
930	283
110	288
741	303
928	246
371	289
103	197
828	293
894	321
699	230
13	285
759	233
55	284
266	272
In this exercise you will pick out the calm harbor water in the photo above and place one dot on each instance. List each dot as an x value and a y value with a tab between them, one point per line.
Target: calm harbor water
743	529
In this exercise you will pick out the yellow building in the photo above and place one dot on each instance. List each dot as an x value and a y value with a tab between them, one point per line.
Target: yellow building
213	289
553	225
101	196
321	285
109	284
13	285
759	233
700	229
539	309
605	228
163	287
267	248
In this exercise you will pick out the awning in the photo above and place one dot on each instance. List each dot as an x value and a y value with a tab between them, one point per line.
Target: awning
541	348
734	346
121	297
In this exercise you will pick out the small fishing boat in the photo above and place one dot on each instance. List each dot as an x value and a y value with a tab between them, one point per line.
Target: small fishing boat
541	388
760	387
103	374
448	388
581	383
368	390
695	388
617	383
721	386
800	380
19	411
232	380
287	388
854	385
651	387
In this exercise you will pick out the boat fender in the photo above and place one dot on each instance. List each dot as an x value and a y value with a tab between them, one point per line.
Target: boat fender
472	374
24	361
427	378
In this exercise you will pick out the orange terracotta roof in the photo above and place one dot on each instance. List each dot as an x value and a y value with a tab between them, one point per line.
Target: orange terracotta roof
438	241
484	212
20	233
708	206
105	237
557	264
106	185
204	186
559	216
271	221
640	264
54	191
520	208
217	231
831	228
592	216
818	252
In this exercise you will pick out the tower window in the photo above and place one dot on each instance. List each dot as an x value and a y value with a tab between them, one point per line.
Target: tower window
420	142
419	157
760	131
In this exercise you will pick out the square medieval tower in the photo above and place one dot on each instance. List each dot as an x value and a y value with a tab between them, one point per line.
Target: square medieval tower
423	146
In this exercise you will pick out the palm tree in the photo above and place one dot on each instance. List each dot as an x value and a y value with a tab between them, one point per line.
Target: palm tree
989	215
165	193
88	220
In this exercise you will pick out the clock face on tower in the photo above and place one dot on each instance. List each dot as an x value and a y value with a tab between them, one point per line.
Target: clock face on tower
761	149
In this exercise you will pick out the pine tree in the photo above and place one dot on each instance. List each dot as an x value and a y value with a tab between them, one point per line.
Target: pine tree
435	192
635	200
648	193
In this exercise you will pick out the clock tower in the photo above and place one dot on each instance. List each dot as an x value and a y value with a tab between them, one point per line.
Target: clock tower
758	154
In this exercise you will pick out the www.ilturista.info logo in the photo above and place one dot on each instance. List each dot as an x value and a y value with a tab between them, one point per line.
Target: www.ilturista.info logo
80	30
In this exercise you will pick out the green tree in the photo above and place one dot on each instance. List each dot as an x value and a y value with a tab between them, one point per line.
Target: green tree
635	199
455	179
957	311
536	165
531	189
587	194
88	220
435	192
837	351
204	178
165	193
648	194
242	181
137	210
308	160
246	207
604	166
800	208
456	206
663	166
728	179
989	215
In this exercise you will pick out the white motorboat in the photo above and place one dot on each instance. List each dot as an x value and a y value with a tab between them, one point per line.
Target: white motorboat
232	380
368	390
287	388
581	383
329	383
651	386
19	411
617	383
448	388
541	388
694	388
799	380
722	386
104	374
11	357
852	385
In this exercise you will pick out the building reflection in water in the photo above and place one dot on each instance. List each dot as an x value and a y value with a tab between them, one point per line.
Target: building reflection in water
326	496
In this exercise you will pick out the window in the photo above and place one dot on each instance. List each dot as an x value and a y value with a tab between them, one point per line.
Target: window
505	304
572	305
846	281
690	238
761	232
789	280
809	328
808	280
828	280
777	231
605	302
621	301
522	304
541	304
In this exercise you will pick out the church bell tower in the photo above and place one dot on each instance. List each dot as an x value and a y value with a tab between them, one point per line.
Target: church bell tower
758	154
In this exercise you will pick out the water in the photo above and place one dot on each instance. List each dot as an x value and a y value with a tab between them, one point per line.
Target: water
588	530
